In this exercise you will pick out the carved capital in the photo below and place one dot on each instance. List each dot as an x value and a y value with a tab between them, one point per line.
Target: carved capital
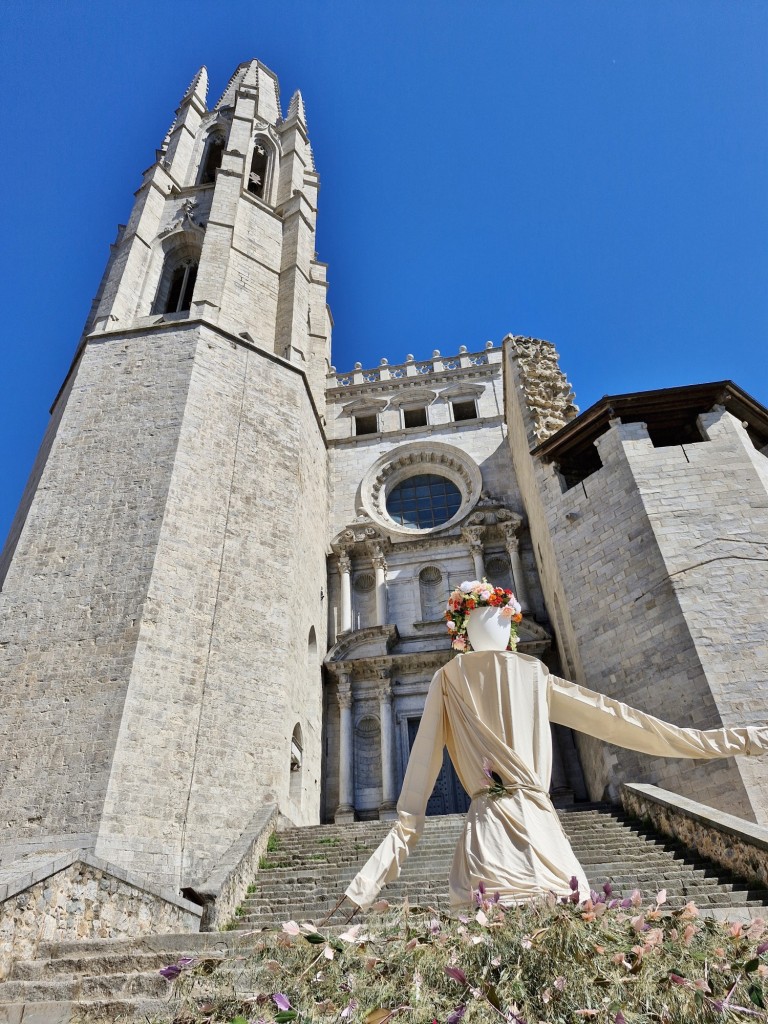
384	685
345	562
473	535
511	539
376	552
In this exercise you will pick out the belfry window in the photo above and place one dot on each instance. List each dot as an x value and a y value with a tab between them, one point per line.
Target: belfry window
257	178
178	277
182	285
214	151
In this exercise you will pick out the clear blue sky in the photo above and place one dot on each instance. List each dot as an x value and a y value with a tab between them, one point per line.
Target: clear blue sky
594	173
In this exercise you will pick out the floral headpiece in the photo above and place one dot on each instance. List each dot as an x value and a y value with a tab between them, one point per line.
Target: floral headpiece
479	594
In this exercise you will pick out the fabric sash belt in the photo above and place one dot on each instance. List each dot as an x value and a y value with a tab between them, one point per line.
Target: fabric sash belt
497	792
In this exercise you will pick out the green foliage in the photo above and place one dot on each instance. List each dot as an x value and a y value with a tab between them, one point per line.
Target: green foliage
541	963
329	841
273	843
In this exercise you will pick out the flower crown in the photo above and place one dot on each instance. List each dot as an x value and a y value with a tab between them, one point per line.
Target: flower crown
479	594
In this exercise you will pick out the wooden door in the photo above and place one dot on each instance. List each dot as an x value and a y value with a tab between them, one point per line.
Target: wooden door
448	796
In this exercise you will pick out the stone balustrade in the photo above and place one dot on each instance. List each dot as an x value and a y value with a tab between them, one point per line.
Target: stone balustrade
414	368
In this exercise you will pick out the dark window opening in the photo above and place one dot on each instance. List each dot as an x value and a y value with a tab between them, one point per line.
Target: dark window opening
683	431
212	159
366	424
182	287
464	410
415	417
577	466
257	179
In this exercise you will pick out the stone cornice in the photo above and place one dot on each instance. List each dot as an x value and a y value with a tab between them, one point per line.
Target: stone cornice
414	433
434	380
160	324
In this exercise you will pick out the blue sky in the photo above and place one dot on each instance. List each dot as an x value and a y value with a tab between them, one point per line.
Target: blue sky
594	173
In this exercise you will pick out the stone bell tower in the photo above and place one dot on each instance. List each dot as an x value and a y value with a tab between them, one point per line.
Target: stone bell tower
161	601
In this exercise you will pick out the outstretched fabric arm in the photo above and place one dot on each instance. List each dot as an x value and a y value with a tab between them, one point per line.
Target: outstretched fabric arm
423	768
610	720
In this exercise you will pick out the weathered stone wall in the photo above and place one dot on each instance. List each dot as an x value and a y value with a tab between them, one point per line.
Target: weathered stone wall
84	900
734	844
73	598
222	654
650	569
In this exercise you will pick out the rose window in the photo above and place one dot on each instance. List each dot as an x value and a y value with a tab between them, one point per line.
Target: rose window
423	502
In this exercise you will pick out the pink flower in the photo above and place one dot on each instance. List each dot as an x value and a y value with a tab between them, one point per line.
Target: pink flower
506	612
451	627
459	643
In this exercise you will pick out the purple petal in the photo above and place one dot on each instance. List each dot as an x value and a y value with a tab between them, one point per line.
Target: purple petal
282	1001
457	974
171	972
456	1015
626	904
481	888
762	948
620	1018
574	883
608	890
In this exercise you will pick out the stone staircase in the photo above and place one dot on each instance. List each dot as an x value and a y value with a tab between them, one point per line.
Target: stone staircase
302	878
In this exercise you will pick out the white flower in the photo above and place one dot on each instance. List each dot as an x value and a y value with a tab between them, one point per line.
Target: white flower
484	595
466	587
451	627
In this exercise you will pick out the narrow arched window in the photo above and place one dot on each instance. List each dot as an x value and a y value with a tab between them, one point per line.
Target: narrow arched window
214	150
178	277
257	176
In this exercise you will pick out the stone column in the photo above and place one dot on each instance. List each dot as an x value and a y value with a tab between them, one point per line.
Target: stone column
345	812
513	550
380	570
473	535
387	808
345	571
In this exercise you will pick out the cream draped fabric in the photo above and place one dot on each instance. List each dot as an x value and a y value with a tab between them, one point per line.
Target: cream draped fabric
498	706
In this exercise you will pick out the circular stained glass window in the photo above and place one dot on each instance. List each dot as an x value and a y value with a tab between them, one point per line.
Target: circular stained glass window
423	502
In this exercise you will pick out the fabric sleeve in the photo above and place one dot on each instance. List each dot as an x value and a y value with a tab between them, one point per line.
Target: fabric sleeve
424	765
614	722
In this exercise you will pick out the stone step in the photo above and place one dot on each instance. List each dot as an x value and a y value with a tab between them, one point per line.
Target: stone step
313	866
70	987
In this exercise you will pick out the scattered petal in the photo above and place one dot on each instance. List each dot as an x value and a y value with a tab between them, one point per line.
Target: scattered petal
456	1015
661	897
380	906
328	953
291	928
481	918
458	975
351	934
281	1001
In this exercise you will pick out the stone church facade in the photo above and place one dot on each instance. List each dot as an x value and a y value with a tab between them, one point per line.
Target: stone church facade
225	582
